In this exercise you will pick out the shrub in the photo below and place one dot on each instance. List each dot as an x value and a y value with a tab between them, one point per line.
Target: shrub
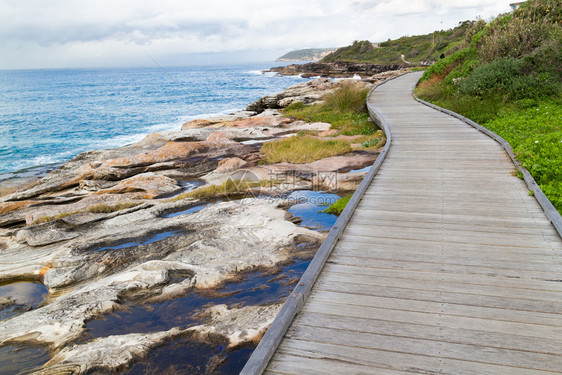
300	150
350	97
504	76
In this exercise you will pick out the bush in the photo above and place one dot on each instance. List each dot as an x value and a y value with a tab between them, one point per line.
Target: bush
350	97
505	77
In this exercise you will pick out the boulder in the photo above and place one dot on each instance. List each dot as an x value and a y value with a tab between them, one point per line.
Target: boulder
230	165
144	186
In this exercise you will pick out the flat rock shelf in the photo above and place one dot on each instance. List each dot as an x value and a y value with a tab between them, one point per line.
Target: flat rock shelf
447	265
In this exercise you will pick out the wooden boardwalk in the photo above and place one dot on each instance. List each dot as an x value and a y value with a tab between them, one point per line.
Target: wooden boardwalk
447	265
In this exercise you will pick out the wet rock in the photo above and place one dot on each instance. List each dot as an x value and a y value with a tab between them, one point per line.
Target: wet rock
107	353
306	92
238	325
220	241
5	302
63	319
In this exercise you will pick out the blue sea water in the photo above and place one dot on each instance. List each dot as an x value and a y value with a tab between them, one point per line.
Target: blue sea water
50	116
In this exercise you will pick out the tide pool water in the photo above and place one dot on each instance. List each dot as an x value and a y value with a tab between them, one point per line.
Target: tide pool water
50	116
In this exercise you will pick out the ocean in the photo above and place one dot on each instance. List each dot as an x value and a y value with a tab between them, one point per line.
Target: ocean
49	116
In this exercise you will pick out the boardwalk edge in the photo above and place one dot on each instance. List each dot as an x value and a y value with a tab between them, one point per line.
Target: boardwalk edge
550	211
264	351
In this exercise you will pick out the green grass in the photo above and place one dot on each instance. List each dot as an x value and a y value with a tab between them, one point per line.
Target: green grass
338	206
302	149
372	141
536	137
229	188
97	209
344	109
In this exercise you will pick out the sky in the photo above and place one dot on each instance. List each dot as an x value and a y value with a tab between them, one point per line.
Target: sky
117	33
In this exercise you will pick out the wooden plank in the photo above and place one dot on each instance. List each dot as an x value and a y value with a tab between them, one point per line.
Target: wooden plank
449	303
411	363
429	332
397	314
294	364
449	277
475	353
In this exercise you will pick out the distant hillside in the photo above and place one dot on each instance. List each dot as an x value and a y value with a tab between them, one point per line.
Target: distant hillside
309	54
416	49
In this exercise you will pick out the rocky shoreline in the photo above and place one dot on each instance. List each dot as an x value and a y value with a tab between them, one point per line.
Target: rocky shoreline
340	69
111	228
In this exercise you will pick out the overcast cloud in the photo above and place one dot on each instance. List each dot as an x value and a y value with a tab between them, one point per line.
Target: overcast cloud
75	33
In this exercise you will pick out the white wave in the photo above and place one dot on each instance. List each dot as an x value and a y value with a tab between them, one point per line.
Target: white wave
356	76
121	140
258	72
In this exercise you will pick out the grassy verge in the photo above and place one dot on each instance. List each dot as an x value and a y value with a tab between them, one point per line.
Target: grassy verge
302	149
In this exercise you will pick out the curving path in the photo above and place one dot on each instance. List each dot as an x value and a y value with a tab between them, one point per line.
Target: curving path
447	265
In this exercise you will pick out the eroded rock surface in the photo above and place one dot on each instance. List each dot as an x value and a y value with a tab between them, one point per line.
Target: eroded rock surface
222	240
104	231
236	326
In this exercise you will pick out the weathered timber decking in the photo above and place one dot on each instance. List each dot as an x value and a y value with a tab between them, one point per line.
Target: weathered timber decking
447	265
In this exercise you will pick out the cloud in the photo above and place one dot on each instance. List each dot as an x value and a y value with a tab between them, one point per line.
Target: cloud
51	33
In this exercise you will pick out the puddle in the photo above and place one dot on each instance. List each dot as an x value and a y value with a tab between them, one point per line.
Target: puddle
258	288
366	169
188	211
155	237
188	185
25	295
306	205
20	359
186	357
254	141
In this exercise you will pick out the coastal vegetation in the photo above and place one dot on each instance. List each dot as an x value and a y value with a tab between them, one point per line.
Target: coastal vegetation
508	78
303	149
338	206
229	188
345	109
414	48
